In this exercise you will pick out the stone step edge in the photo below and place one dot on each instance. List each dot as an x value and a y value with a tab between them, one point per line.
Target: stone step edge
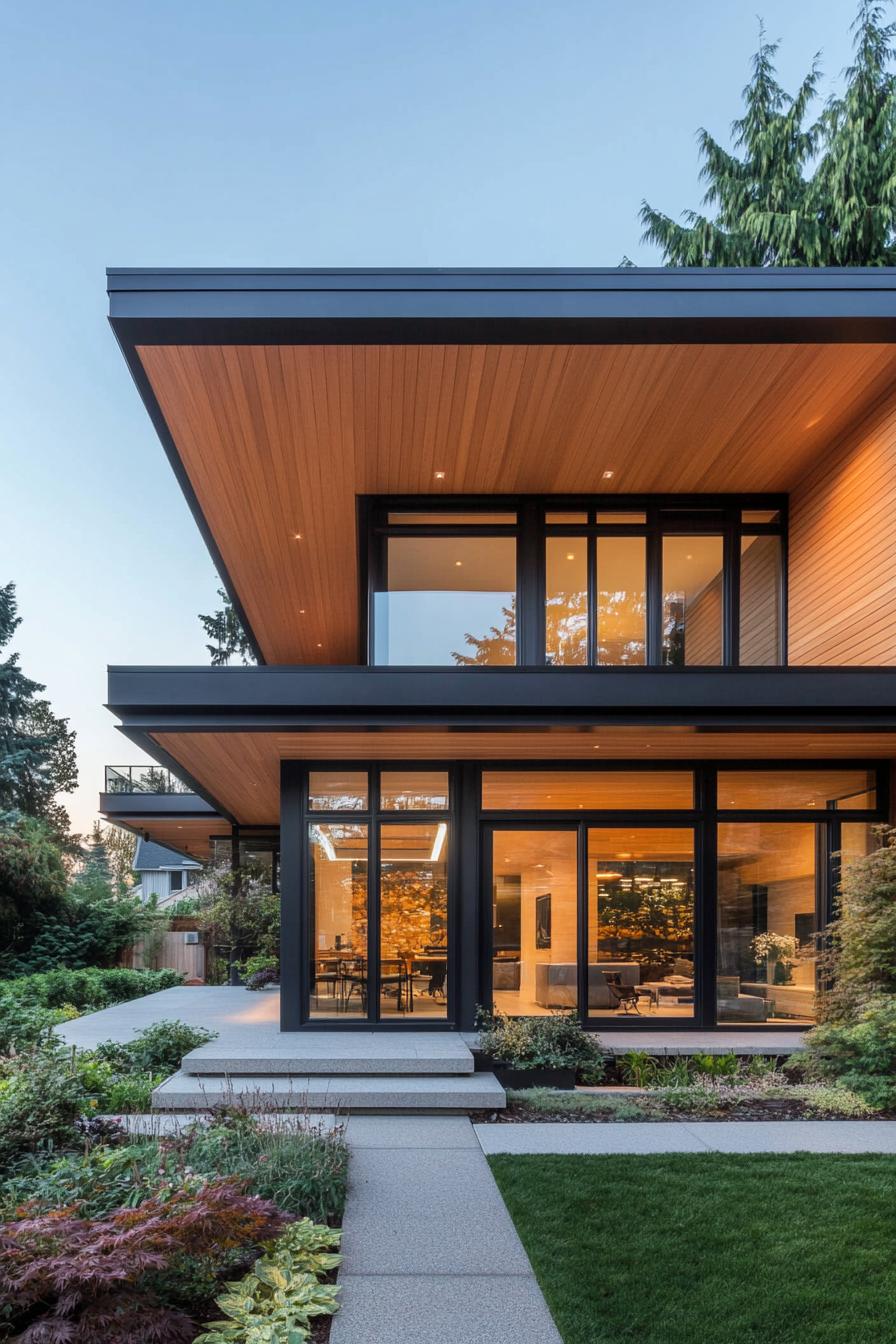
302	1066
481	1091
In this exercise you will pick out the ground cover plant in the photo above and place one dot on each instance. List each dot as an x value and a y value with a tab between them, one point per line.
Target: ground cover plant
709	1248
32	1005
704	1087
106	1235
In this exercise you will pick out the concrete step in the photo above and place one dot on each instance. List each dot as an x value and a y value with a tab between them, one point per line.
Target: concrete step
333	1092
331	1052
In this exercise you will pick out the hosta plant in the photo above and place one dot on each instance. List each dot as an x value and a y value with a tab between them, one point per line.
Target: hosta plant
276	1302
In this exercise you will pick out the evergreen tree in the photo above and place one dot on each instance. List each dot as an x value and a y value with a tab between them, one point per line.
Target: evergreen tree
229	638
856	179
97	864
37	749
796	192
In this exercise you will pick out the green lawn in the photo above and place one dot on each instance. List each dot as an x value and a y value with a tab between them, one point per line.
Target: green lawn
710	1249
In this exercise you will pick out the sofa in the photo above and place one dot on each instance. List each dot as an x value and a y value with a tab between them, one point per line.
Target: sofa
556	983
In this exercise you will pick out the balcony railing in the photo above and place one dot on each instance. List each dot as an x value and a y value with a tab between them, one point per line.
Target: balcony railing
143	779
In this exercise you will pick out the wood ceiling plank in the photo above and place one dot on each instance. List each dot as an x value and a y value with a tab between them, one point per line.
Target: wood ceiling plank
282	439
242	770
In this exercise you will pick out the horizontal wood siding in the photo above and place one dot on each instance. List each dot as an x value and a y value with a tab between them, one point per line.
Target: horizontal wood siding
842	551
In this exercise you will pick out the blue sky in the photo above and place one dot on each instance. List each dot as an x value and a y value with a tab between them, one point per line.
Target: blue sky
377	133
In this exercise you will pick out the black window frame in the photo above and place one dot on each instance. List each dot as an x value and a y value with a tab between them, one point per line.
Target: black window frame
665	515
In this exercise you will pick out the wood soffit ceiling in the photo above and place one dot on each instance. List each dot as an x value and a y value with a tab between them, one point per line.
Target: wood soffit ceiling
190	835
280	440
242	770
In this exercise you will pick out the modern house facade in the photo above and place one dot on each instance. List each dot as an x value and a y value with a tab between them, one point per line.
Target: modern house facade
574	600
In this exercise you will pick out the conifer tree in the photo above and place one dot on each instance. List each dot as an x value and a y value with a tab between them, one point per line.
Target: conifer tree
798	192
229	639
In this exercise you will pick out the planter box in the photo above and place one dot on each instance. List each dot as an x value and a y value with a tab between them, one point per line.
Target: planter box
564	1079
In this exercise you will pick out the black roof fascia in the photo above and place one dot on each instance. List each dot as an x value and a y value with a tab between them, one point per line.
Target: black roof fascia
619	305
278	698
156	805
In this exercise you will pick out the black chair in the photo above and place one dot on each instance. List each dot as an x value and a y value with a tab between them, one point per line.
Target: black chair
354	980
625	997
326	972
394	977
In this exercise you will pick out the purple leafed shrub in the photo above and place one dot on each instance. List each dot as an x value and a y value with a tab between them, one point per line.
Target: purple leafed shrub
71	1280
258	979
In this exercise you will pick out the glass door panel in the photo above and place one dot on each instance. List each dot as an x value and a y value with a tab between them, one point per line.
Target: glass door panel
640	925
767	922
338	970
534	921
413	920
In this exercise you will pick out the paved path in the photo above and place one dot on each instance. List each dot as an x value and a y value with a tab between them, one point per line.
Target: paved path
723	1136
430	1252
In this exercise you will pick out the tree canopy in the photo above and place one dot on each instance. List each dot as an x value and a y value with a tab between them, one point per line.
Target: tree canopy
796	191
37	748
229	640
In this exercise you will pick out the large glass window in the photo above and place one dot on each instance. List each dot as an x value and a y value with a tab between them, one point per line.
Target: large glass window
795	790
338	973
559	790
641	922
337	791
413	920
693	599
414	790
566	599
447	601
621	616
616	582
534	921
767	921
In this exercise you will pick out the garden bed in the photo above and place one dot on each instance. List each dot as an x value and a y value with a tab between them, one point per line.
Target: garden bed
173	1220
599	1107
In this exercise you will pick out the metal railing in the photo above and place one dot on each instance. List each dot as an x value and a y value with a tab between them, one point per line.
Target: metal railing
143	779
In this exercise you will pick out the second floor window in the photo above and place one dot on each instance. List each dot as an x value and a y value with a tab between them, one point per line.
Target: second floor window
657	581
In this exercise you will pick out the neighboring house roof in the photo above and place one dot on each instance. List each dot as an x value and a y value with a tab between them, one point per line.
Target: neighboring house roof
151	857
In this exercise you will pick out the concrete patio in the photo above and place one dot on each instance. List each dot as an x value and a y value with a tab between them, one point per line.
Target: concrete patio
249	1024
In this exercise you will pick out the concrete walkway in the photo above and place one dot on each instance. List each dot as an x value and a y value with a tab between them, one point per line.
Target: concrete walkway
430	1252
723	1136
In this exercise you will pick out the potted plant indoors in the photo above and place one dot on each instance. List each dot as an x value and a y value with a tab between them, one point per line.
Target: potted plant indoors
546	1051
779	951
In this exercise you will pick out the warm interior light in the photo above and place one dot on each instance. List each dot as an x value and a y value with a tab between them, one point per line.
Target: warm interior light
607	475
570	555
438	842
439	475
607	877
458	563
297	536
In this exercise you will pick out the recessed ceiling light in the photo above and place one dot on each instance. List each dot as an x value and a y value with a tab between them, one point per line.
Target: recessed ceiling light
297	536
607	475
596	748
440	475
570	555
458	563
320	646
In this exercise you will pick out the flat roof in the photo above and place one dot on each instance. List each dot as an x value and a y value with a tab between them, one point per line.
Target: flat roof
282	396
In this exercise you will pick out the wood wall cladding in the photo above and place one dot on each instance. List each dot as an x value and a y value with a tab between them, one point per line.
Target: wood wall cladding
842	550
242	770
279	441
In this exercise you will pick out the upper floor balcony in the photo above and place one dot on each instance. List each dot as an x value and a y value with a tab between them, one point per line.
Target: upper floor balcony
150	779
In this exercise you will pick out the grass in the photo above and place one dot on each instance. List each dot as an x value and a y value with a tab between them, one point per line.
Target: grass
710	1249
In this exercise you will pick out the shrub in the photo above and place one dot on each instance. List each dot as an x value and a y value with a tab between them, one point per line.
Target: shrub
715	1066
158	1049
97	1179
282	1293
114	1090
41	1097
261	979
861	959
556	1041
860	1054
87	989
23	1026
114	1279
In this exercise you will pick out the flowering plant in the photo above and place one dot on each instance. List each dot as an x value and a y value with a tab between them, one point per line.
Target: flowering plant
779	946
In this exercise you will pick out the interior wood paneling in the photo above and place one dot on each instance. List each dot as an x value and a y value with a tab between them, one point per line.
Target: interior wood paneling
191	835
842	557
279	440
242	770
